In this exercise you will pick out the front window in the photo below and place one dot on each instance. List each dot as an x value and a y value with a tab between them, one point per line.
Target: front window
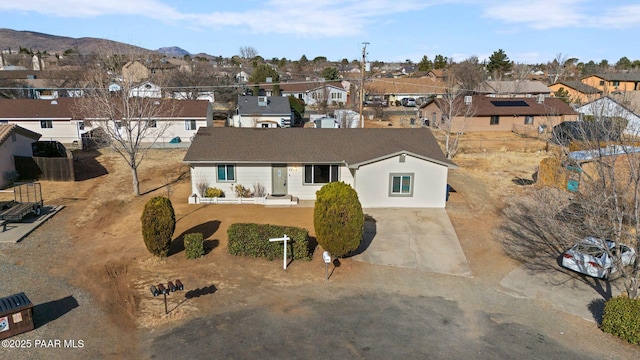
46	124
528	120
401	185
190	125
495	120
320	174
151	123
616	83
226	172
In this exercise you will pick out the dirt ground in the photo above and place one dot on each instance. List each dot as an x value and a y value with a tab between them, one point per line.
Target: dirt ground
102	222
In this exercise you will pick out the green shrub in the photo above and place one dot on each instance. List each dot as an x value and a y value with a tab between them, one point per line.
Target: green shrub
338	219
193	245
253	240
622	318
213	192
158	224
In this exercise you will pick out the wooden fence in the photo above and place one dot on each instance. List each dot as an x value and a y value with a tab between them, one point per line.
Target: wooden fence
45	168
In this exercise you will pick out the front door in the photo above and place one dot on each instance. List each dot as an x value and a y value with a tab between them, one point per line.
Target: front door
279	179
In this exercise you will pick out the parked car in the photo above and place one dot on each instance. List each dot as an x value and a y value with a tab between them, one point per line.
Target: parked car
409	102
590	257
376	102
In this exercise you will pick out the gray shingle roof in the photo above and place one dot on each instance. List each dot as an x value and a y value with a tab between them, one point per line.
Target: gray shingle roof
305	145
276	105
630	76
580	86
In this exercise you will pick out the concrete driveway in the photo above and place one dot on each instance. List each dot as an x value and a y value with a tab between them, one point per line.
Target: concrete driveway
421	239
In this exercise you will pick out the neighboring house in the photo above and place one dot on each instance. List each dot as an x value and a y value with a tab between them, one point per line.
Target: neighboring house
579	92
146	89
612	82
59	120
137	71
14	141
514	88
483	113
242	77
262	112
396	89
608	108
387	167
315	92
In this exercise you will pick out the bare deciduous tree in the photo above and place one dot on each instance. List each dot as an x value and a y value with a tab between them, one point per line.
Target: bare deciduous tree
456	111
248	52
132	124
605	205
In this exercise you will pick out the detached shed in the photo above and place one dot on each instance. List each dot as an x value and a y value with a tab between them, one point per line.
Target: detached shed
16	315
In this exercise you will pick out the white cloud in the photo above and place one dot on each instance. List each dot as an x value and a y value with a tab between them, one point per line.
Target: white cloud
550	14
539	14
309	18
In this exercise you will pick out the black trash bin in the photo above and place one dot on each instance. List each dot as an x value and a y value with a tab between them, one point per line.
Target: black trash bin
16	315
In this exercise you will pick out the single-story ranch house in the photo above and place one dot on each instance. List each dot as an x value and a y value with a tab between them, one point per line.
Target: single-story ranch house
387	167
59	119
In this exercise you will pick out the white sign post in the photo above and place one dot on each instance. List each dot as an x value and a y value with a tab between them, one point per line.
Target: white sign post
284	238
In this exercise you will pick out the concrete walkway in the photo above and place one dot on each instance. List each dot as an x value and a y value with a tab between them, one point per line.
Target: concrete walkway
421	239
14	232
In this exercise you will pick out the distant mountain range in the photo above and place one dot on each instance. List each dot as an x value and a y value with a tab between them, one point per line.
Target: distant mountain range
34	41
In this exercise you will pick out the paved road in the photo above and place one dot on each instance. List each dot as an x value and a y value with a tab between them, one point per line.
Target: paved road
395	322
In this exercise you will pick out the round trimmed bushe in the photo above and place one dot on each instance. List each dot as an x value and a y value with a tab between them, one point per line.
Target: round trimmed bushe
158	224
338	219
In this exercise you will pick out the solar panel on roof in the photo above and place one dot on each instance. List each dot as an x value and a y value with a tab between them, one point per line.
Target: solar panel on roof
501	103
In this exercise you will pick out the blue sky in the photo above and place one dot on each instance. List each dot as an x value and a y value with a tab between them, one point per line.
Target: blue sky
529	31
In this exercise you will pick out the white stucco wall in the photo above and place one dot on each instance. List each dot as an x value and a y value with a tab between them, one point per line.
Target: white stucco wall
429	183
20	147
64	131
248	174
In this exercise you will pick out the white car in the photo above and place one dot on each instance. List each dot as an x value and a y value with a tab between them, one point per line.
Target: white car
589	257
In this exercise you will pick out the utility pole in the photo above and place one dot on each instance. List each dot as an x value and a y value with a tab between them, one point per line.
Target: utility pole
364	60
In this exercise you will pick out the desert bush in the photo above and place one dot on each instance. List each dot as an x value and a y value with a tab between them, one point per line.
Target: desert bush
259	190
551	173
253	240
620	318
241	191
158	224
338	219
193	245
213	192
202	187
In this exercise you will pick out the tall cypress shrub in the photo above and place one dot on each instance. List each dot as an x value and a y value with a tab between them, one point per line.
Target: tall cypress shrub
158	224
338	219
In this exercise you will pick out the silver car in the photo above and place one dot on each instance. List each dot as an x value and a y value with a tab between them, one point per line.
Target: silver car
590	257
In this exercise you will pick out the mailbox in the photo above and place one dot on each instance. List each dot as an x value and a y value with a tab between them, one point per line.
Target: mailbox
154	290
326	257
171	287
162	289
179	285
